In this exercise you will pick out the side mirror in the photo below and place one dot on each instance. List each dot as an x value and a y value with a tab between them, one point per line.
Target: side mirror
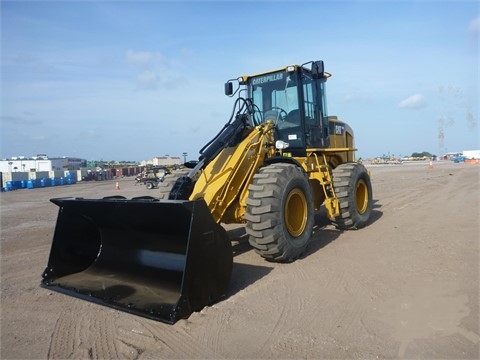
317	69
228	88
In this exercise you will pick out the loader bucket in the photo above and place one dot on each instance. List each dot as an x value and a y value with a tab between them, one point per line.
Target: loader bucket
161	260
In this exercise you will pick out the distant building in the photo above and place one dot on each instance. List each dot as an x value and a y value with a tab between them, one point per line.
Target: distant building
163	161
40	162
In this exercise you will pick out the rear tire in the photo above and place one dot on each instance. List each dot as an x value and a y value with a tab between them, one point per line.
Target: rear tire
280	214
149	185
353	188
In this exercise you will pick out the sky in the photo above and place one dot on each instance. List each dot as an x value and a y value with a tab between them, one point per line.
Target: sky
132	80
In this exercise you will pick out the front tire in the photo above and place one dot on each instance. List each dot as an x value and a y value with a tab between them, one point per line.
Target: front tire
353	188
280	214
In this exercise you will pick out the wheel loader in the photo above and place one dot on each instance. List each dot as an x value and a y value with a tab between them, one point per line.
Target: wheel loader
277	160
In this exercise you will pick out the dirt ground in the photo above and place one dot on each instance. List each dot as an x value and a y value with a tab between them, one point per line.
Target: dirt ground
406	286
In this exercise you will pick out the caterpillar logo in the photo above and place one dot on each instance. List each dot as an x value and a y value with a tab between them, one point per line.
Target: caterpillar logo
339	129
267	78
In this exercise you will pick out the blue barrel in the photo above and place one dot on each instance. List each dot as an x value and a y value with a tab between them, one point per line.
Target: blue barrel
43	183
30	184
9	186
62	181
23	184
52	182
71	178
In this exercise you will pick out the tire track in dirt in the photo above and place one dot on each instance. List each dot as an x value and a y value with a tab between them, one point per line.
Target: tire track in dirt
153	339
140	337
426	243
298	296
302	330
277	301
214	342
178	343
77	336
218	332
105	333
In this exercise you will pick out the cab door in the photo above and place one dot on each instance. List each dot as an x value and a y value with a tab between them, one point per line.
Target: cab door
316	118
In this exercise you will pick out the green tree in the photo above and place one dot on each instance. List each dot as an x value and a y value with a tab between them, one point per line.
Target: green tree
422	154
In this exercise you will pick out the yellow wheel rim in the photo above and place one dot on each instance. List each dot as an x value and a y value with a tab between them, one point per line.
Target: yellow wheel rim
296	212
361	196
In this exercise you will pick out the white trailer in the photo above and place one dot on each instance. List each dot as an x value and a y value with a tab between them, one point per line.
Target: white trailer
471	154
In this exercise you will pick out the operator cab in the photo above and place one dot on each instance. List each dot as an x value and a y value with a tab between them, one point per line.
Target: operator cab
294	99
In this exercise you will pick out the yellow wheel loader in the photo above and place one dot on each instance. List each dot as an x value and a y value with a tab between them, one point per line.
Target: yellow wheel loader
278	159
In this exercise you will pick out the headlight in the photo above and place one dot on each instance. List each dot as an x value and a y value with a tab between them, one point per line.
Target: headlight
280	145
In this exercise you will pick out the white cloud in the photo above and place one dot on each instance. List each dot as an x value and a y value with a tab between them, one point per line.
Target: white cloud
149	65
416	101
143	58
147	80
474	32
474	27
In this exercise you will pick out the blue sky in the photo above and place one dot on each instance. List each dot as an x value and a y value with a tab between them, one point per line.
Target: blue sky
130	80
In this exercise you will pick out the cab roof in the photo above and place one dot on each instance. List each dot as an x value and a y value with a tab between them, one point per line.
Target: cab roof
290	68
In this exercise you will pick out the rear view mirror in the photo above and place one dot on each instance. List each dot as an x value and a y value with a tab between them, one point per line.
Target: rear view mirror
317	69
228	88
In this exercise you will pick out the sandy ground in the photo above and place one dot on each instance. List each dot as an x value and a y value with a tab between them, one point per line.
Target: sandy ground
406	286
